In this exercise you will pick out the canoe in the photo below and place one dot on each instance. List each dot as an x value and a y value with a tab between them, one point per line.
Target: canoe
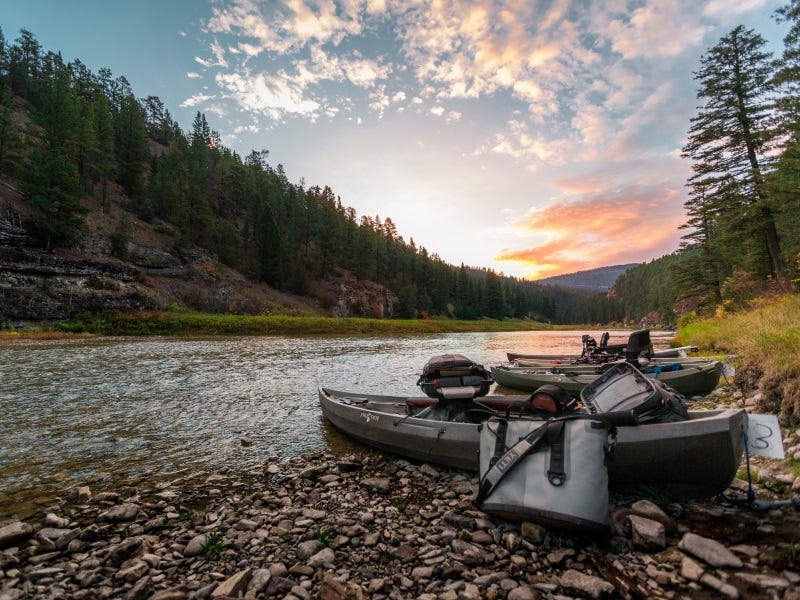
642	364
696	458
680	352
692	380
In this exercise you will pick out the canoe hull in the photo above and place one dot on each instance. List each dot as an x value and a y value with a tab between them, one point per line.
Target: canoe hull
690	381
697	458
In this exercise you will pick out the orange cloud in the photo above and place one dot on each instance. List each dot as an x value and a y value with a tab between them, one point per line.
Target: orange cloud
630	224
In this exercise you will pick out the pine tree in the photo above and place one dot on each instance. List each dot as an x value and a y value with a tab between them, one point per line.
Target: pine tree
130	145
50	177
732	138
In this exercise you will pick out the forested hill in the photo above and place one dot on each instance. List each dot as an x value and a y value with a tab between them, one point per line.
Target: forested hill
96	166
598	280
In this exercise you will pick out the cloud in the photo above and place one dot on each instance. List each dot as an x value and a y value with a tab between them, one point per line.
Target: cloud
729	8
274	96
656	29
193	75
196	99
605	225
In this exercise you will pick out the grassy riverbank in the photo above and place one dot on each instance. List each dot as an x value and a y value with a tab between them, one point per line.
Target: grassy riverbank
765	341
194	323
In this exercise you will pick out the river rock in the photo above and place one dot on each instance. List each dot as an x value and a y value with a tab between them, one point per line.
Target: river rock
594	587
195	545
14	533
381	485
763	582
307	549
650	510
123	512
709	551
647	534
235	585
323	558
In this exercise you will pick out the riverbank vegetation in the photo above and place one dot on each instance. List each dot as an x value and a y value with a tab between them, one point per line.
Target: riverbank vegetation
184	322
764	340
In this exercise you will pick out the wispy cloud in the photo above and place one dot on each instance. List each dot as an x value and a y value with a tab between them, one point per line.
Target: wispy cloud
541	83
604	225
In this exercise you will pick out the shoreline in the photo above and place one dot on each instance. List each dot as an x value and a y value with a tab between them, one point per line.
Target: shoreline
368	525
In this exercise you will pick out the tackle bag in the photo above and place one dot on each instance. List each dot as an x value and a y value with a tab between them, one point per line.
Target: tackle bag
551	472
454	376
624	396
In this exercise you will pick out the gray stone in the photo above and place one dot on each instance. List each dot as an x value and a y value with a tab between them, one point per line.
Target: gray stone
195	545
533	532
716	583
691	569
134	572
418	573
647	534
307	549
524	592
382	485
259	581
763	581
55	521
279	586
130	548
650	510
323	558
235	585
594	587
127	511
709	551
14	533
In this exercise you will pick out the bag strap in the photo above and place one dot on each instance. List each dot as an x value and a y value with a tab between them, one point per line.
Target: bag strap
499	441
507	461
555	439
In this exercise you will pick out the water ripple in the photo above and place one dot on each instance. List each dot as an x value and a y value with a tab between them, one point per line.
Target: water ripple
159	409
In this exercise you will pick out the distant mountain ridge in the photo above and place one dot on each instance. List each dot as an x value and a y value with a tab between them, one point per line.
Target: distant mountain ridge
593	279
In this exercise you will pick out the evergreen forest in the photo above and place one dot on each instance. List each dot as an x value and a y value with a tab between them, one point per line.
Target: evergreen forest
67	134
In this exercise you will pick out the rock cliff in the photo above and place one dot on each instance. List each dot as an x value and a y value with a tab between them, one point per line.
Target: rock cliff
37	285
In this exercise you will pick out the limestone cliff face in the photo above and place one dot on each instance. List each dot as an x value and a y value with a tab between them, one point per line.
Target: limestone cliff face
36	285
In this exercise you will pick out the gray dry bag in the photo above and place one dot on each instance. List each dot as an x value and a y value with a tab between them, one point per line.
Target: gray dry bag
550	472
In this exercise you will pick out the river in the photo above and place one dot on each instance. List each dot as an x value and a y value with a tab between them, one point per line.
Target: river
156	411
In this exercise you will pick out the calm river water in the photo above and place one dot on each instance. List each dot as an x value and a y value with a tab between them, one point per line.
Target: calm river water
157	411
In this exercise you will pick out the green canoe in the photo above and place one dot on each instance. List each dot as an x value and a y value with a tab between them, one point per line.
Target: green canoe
690	380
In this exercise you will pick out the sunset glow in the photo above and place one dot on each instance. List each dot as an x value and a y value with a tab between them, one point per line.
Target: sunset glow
531	137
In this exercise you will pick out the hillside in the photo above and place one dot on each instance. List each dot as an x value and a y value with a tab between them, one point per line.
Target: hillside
597	280
109	204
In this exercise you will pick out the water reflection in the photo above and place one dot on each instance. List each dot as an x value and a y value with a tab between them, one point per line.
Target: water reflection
103	412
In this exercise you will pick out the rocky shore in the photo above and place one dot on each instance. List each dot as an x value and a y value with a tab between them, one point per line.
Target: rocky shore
369	525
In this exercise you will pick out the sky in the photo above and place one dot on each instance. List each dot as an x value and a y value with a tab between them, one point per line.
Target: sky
532	137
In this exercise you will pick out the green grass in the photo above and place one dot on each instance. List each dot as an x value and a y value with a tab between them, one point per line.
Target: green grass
324	536
183	322
213	545
764	340
769	331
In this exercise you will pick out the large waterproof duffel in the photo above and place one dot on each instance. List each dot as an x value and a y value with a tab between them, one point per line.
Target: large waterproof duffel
551	472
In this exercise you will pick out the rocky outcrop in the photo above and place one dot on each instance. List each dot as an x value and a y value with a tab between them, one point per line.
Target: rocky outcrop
350	297
36	285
